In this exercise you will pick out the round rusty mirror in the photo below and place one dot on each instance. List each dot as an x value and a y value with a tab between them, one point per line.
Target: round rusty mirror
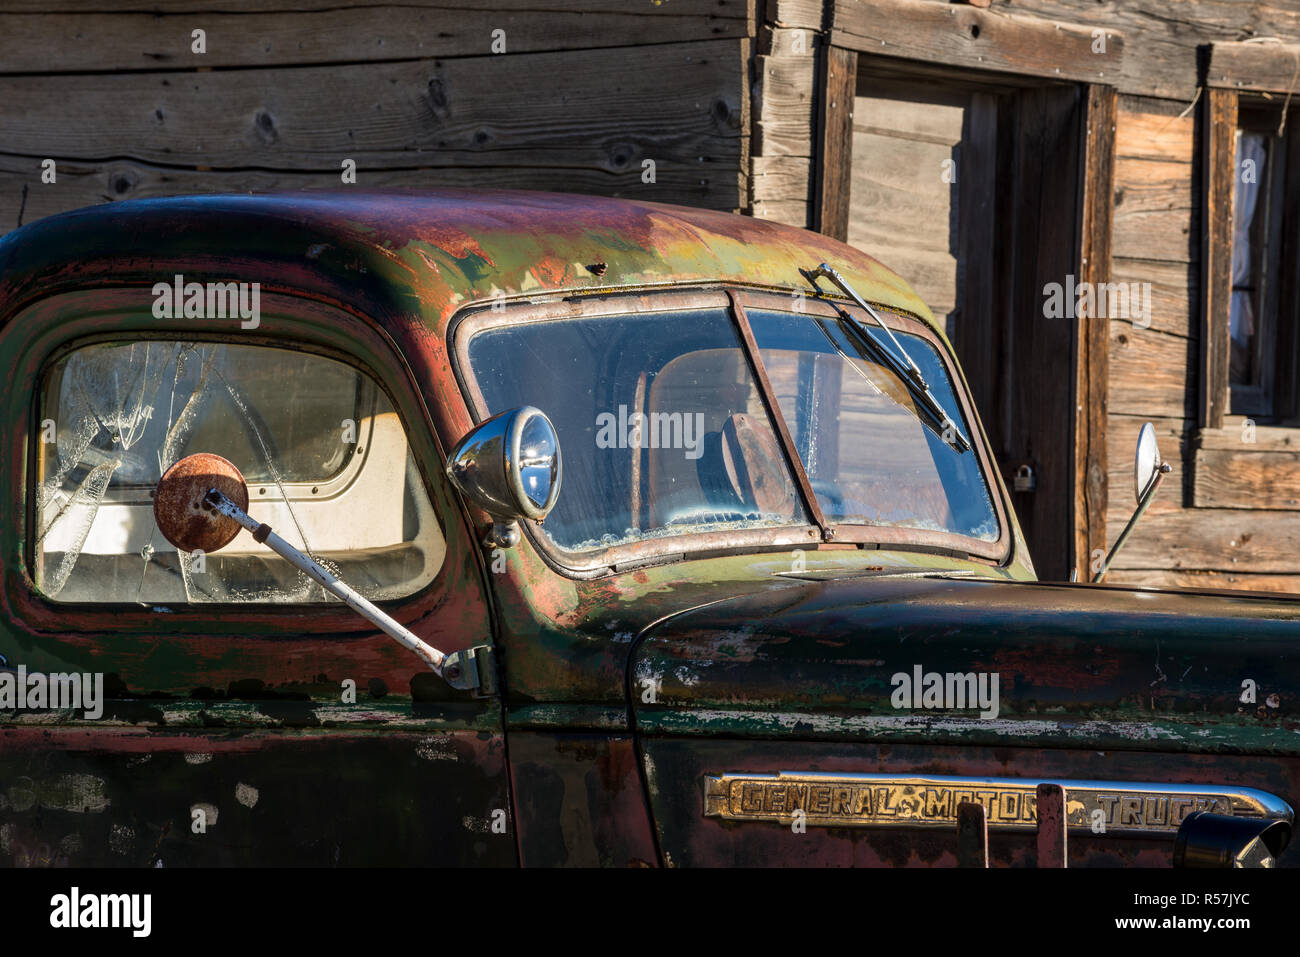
180	512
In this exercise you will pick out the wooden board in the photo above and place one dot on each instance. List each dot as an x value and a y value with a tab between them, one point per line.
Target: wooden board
1154	136
1092	390
980	322
1164	230
784	106
1149	372
24	198
1170	301
482	111
1262	65
1246	478
836	146
807	14
1218	172
1041	355
1162	38
1206	580
246	34
966	36
1229	540
467	122
1244	465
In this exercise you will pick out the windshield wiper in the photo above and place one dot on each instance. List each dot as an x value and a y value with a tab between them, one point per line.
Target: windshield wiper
899	361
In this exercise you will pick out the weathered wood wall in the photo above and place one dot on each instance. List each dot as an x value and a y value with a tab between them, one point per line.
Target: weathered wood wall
723	95
585	92
1235	521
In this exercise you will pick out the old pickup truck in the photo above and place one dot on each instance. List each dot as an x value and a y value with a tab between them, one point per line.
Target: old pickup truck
512	528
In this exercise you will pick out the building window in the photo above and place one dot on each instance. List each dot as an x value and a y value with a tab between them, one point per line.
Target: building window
1254	306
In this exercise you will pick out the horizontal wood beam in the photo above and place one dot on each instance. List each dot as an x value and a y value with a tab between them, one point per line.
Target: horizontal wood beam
244	34
1264	67
1245	477
1259	541
606	110
973	38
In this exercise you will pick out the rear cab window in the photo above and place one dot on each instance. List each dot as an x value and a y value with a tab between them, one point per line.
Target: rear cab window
326	458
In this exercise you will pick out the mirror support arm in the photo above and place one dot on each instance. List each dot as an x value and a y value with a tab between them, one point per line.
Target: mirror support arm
1163	470
460	669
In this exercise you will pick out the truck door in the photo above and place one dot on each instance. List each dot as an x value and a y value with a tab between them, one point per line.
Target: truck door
167	708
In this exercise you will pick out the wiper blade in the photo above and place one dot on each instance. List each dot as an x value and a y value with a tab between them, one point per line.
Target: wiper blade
897	358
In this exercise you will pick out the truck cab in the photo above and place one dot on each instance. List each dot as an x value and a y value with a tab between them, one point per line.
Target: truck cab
739	579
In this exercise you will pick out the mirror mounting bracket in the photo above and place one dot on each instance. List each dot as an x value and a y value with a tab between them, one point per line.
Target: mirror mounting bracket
473	669
502	535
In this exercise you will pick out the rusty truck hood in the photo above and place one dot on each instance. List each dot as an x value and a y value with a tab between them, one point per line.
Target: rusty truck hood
1097	666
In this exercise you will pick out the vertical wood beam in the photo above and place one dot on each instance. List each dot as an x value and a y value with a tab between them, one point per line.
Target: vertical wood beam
977	333
835	141
1286	382
1092	369
1218	156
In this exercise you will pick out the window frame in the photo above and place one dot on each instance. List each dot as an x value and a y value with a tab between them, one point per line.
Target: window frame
1226	111
690	545
1227	447
67	321
1261	401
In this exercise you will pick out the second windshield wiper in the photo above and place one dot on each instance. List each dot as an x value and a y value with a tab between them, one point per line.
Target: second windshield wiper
899	361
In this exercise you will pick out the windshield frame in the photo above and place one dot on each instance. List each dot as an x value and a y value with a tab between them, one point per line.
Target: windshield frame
706	543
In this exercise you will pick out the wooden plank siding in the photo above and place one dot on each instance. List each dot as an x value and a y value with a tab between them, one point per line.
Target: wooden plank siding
1227	520
243	33
741	103
414	95
788	93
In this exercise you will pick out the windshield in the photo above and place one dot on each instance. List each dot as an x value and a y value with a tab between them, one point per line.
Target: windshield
869	456
661	424
664	430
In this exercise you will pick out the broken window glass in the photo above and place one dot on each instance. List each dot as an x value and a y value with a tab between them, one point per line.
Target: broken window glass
323	452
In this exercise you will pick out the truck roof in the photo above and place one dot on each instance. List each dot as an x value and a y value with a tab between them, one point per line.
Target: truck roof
427	252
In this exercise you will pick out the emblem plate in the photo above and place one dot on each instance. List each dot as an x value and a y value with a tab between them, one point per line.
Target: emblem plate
1128	808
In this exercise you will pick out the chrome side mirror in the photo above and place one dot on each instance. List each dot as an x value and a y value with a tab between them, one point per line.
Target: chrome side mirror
1146	461
509	466
1149	470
